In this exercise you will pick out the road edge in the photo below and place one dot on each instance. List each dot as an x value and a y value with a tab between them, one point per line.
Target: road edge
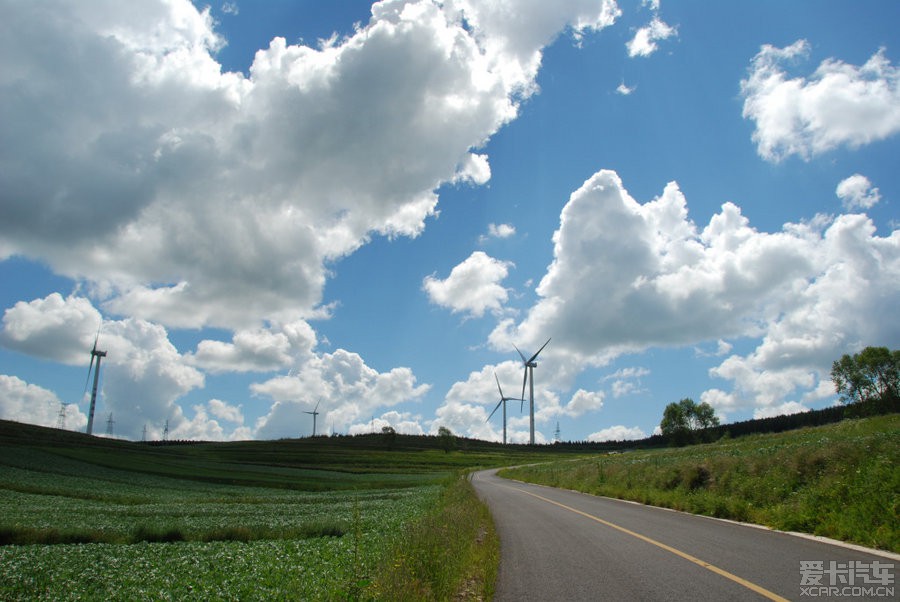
818	538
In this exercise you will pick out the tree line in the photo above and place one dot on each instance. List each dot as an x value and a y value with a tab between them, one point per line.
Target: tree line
867	382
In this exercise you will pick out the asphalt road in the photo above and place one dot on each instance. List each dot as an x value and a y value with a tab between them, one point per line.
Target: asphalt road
562	545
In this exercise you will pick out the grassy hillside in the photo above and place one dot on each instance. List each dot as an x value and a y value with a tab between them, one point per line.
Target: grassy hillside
291	463
318	518
840	480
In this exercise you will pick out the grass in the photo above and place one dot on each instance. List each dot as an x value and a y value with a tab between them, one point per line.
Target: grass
840	481
451	553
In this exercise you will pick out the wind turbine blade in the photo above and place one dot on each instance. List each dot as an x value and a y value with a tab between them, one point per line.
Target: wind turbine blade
97	336
497	407
317	405
498	385
524	382
534	357
90	369
520	355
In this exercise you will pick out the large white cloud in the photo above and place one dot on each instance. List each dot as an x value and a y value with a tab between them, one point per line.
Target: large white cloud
259	350
53	328
469	402
617	433
473	286
24	402
839	104
144	378
188	196
142	375
349	391
628	276
402	422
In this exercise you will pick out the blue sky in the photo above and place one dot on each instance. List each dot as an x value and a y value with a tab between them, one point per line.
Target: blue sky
268	204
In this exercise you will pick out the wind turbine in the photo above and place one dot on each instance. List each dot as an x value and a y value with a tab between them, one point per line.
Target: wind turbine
502	401
530	365
314	413
95	353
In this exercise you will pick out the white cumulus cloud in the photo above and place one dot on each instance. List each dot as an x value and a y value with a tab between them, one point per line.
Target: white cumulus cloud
189	196
624	90
142	375
258	350
644	42
857	192
583	402
617	433
501	230
838	105
349	390
472	287
24	402
627	277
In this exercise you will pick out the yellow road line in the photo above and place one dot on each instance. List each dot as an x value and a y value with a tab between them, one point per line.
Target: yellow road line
722	572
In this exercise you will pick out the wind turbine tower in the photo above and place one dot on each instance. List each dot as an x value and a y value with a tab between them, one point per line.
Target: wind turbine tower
502	402
99	355
61	417
530	365
314	413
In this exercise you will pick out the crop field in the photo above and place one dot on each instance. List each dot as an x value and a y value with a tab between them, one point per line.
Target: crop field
104	521
90	518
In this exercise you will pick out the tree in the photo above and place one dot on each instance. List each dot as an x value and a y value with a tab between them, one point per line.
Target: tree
389	435
682	418
873	373
447	438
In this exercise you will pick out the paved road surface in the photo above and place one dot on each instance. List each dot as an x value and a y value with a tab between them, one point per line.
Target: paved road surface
562	545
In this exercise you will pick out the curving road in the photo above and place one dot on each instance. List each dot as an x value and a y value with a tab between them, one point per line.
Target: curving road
562	545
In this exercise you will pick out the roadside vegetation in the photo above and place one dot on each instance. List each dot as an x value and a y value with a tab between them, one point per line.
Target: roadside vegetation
451	553
840	480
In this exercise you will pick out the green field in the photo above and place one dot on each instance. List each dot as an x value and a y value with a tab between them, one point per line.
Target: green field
840	481
375	517
318	518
